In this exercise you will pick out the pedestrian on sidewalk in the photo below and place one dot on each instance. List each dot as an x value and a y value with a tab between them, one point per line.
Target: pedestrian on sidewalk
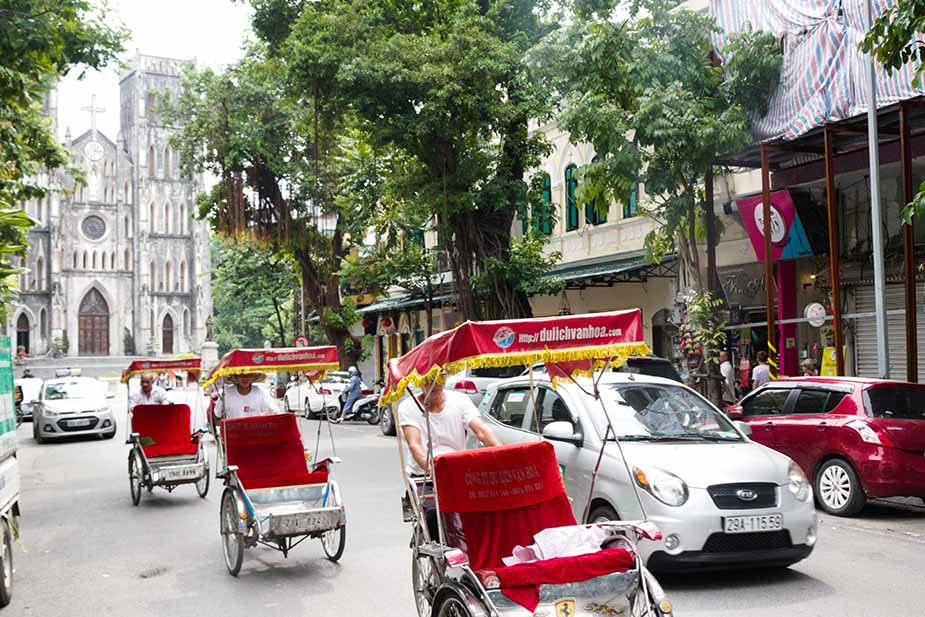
729	388
761	374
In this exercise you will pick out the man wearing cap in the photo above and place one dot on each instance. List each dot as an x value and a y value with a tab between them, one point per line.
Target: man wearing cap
149	394
242	399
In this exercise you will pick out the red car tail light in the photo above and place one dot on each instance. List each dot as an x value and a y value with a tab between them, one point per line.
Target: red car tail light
366	391
324	391
871	434
467	386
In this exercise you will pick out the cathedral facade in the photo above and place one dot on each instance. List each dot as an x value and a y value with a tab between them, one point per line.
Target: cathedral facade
118	266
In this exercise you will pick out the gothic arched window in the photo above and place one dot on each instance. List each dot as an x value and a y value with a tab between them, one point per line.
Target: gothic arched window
94	260
128	260
167	165
167	218
152	276
40	273
152	162
128	231
186	322
167	276
75	260
86	262
181	275
151	219
571	207
112	260
43	323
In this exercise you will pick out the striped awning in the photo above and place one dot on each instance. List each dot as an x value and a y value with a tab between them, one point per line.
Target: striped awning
823	78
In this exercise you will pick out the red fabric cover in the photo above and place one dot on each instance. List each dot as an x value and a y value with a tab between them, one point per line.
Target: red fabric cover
520	583
502	478
190	365
505	496
168	426
268	451
600	336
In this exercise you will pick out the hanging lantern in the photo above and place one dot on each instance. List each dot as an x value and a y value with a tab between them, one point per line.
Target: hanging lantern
386	323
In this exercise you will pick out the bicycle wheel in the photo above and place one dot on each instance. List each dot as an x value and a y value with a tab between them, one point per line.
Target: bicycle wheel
232	540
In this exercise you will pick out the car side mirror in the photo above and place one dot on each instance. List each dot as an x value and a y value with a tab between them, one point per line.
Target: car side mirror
563	431
734	413
743	427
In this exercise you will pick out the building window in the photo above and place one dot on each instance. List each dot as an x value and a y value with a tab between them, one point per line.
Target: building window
167	218
40	273
128	231
571	207
112	260
75	260
152	276
167	166
631	208
86	262
186	322
94	260
128	195
152	162
43	323
151	219
167	276
128	260
544	224
181	274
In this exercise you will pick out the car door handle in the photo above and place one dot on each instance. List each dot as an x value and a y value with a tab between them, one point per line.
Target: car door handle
822	426
769	425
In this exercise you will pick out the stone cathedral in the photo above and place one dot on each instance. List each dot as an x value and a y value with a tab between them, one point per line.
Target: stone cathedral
119	266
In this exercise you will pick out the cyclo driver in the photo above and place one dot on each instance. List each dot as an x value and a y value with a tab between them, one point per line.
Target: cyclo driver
451	414
148	394
242	399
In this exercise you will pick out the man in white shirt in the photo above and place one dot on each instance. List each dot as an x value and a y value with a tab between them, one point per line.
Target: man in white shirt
761	374
242	399
725	369
149	394
451	415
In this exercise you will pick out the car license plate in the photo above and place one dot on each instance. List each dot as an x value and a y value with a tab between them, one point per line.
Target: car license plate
181	473
750	524
84	422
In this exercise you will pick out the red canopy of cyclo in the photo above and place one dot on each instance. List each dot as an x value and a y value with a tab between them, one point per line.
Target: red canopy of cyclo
191	366
569	345
243	361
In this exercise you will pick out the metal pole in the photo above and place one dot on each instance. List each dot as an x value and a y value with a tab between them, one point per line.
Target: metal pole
883	343
768	261
834	272
905	148
710	215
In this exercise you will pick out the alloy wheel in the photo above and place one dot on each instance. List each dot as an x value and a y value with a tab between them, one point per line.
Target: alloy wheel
835	487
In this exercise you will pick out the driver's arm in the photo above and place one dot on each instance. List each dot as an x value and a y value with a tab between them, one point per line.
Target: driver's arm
414	439
484	432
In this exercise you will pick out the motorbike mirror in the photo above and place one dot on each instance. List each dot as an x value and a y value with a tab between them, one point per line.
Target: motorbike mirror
743	427
562	431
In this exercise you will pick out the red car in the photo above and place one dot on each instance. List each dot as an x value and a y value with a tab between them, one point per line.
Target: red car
854	438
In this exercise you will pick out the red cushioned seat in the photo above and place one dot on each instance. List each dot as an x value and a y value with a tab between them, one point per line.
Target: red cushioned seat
268	451
506	495
167	426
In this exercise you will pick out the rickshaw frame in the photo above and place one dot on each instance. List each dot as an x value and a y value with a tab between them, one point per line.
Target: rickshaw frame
150	473
282	518
443	582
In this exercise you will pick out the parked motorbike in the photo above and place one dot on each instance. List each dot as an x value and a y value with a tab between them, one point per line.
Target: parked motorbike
365	408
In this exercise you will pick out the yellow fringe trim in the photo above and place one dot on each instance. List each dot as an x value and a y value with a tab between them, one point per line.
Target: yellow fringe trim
126	378
257	368
617	353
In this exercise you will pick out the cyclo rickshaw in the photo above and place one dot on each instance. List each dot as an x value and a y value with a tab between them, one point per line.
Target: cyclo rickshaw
165	452
491	501
273	496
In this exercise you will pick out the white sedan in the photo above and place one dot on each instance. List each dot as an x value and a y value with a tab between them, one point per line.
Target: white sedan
721	500
309	398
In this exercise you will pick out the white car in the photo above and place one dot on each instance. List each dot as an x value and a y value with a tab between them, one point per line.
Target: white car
719	499
475	382
310	398
73	406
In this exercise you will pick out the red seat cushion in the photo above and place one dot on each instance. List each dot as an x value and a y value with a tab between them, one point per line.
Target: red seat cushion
505	496
167	426
268	451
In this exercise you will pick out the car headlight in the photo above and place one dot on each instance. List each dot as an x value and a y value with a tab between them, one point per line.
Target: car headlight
101	410
48	411
663	485
798	484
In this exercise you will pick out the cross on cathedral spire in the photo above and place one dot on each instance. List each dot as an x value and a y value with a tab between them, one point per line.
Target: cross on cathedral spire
93	109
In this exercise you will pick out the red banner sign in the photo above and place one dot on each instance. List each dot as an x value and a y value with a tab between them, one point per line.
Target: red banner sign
190	365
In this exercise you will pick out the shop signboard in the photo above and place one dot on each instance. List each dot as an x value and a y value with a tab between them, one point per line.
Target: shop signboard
7	405
788	237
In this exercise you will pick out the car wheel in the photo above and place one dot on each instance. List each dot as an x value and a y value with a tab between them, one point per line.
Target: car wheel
387	421
6	563
111	433
838	490
286	406
35	433
603	513
308	410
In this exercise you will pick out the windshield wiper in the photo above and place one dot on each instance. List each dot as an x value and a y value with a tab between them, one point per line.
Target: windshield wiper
677	437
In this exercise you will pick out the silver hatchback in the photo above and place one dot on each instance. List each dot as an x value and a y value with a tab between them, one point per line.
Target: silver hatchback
719	499
73	406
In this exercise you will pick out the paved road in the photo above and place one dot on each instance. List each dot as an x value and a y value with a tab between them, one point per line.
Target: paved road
90	553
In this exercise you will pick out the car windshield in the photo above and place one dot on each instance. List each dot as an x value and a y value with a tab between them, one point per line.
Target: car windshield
337	378
897	402
656	412
71	389
502	372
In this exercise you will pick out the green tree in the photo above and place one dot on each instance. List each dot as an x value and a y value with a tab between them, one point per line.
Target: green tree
445	83
278	152
647	94
252	290
41	41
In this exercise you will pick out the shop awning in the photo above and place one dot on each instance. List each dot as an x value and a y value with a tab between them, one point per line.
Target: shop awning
608	271
400	303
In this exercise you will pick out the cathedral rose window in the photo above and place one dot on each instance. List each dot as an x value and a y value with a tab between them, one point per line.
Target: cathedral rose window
93	227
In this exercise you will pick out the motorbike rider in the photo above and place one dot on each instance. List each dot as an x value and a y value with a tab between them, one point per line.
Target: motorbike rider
353	391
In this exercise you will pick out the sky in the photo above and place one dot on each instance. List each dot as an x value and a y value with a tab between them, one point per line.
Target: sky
211	31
